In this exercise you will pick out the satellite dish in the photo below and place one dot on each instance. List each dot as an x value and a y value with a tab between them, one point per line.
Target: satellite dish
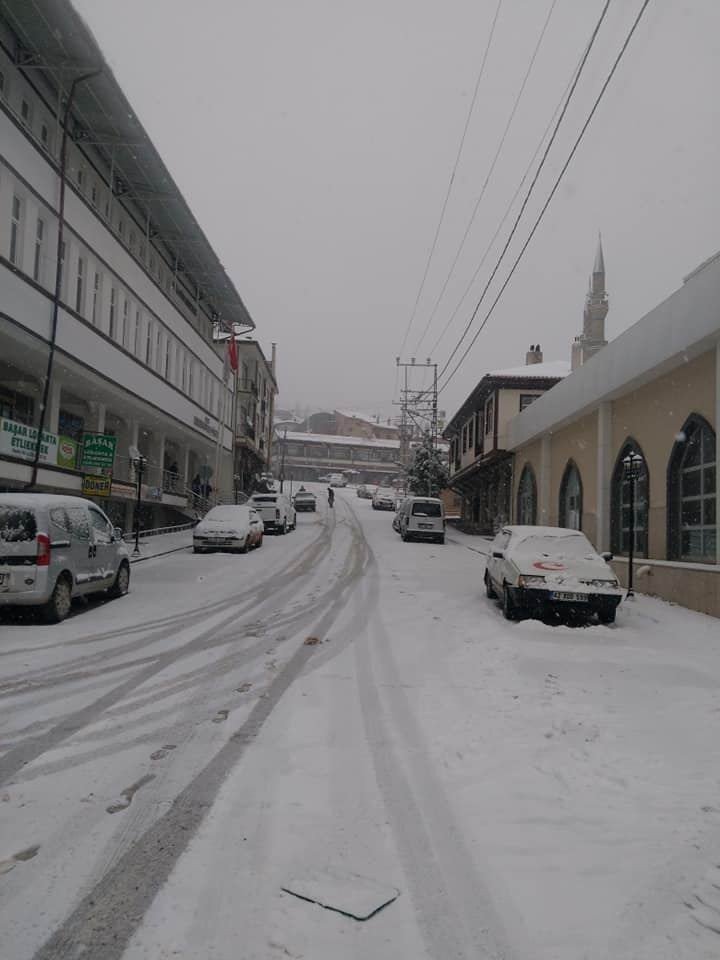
134	452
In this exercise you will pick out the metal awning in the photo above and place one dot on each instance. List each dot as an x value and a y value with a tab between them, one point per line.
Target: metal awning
53	38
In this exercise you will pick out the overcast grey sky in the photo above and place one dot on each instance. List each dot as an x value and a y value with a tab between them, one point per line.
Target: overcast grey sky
314	140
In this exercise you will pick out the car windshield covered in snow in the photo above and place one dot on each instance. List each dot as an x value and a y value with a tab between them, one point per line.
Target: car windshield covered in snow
574	546
226	513
427	508
17	524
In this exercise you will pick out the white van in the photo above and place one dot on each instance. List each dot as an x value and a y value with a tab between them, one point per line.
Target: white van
422	518
276	510
56	548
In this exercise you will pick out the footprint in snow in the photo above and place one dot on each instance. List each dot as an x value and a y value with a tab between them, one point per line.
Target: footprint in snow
221	716
126	797
27	854
162	752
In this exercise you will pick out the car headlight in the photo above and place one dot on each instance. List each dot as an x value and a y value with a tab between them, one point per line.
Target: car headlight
603	583
524	581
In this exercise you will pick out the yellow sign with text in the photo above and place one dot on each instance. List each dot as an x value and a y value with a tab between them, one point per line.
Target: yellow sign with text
95	486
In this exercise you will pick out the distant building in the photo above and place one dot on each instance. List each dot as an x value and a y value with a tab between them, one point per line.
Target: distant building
308	456
480	461
351	424
255	398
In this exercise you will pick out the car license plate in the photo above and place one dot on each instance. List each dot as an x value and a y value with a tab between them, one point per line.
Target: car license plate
575	597
425	526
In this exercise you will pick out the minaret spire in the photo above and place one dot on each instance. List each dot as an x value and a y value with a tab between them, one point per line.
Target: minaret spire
592	337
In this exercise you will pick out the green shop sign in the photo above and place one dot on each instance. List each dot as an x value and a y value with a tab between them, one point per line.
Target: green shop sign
98	452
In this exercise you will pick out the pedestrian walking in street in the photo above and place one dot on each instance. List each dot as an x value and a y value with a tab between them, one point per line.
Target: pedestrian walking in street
331	497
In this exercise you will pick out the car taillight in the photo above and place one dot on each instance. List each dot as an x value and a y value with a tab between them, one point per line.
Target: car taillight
277	514
43	550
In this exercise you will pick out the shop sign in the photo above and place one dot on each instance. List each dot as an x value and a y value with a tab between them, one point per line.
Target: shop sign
96	486
67	452
19	440
205	425
98	453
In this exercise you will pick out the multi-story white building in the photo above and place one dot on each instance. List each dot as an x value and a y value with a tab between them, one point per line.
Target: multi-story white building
141	287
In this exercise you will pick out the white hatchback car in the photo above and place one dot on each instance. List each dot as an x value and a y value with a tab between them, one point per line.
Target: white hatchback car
537	570
228	527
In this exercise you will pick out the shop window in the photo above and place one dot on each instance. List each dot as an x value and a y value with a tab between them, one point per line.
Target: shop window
39	247
620	504
16	231
16	406
80	286
527	496
570	512
692	493
70	425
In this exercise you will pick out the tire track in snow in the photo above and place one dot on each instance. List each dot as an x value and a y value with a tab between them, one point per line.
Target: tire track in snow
31	748
456	913
104	921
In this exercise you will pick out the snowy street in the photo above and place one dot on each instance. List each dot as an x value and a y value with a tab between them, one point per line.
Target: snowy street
176	760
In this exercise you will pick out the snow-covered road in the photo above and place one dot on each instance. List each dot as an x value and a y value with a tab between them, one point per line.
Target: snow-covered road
173	760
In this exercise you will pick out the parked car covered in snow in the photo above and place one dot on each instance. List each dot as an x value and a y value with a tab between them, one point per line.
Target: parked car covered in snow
338	480
305	500
276	510
538	570
229	527
363	492
55	548
384	499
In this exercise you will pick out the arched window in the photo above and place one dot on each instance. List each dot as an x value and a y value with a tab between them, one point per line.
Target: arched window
620	504
692	486
527	496
571	497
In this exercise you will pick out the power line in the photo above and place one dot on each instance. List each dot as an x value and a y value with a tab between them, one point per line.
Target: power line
506	214
552	192
452	175
490	172
558	124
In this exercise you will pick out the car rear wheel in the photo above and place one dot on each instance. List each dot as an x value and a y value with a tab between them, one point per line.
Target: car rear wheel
259	543
58	606
509	609
284	527
441	539
122	582
489	589
244	547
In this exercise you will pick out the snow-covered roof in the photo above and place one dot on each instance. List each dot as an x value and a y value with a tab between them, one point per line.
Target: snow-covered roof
366	418
344	441
679	329
531	371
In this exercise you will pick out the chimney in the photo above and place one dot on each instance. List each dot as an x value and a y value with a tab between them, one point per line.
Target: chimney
273	357
534	355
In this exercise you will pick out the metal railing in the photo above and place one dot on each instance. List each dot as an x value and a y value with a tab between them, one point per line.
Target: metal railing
158	531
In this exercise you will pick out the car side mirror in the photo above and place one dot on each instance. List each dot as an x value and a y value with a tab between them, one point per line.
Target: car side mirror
607	556
118	533
498	554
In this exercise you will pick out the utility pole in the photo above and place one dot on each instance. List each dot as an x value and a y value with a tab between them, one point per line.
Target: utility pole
418	406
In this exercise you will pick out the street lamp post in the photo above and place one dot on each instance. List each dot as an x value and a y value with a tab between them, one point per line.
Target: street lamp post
631	465
282	462
139	462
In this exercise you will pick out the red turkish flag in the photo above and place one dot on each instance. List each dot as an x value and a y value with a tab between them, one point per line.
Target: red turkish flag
232	353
